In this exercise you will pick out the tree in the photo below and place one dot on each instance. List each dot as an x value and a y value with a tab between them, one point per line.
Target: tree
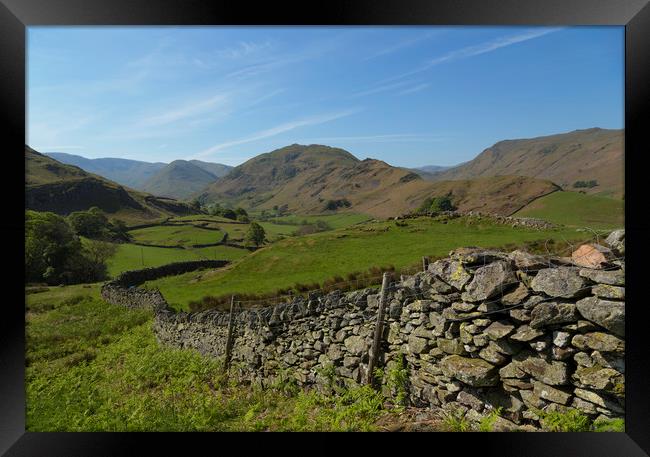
98	252
436	205
441	204
243	218
256	234
195	204
49	242
92	223
120	230
214	209
241	211
55	254
229	214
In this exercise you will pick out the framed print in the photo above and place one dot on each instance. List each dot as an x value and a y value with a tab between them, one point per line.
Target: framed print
361	217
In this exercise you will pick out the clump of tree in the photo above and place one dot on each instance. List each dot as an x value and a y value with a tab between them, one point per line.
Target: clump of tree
238	214
436	205
255	234
195	204
333	205
587	184
307	228
94	224
55	254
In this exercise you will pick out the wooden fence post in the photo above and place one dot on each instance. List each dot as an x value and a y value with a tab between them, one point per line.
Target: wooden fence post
379	327
425	263
229	338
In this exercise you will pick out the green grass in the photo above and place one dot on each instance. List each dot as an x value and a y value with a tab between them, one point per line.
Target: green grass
200	217
170	235
577	210
131	256
285	226
334	220
97	367
315	258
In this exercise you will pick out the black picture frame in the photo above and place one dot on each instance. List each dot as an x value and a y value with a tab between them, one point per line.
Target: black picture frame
16	15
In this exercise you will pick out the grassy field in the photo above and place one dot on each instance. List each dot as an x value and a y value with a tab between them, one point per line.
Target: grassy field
334	220
315	258
133	257
170	235
577	210
200	217
97	367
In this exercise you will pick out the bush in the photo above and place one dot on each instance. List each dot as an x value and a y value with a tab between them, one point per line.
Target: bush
587	184
229	214
333	205
54	253
255	234
436	205
94	224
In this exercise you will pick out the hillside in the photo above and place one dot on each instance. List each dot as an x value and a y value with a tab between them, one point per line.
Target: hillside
577	210
180	179
581	155
62	189
306	179
217	169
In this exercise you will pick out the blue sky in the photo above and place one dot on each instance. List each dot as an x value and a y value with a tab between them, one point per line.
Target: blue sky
411	96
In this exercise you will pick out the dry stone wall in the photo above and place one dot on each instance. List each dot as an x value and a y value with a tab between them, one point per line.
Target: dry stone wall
123	290
476	331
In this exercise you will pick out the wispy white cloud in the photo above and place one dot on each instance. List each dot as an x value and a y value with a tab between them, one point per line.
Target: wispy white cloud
277	130
243	49
186	111
383	88
413	89
402	44
476	50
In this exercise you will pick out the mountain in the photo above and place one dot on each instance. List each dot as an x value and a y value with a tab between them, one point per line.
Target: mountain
180	179
581	155
53	186
148	176
431	168
315	179
217	169
132	173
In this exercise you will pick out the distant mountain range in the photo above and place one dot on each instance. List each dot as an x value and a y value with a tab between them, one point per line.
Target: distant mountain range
432	168
317	178
62	189
179	179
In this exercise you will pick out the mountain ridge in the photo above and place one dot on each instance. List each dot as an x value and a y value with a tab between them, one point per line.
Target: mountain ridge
564	158
62	188
308	179
138	174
